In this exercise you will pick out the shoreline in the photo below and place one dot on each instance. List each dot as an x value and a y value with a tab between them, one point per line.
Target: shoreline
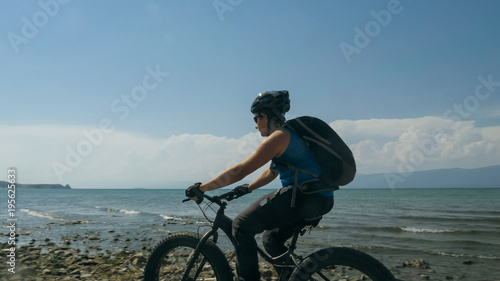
47	260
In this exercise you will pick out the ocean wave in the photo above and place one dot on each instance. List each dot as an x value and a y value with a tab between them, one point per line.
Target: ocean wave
129	212
467	232
399	229
113	210
110	210
426	230
51	217
170	218
41	215
456	255
454	218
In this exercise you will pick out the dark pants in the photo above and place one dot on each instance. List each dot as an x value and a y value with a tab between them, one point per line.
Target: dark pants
272	214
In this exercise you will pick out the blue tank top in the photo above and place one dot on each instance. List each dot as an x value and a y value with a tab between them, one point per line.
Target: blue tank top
299	155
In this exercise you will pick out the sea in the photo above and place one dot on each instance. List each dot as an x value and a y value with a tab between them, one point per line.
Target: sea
455	231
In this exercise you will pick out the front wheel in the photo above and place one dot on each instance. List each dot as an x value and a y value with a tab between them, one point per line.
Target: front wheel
339	263
170	259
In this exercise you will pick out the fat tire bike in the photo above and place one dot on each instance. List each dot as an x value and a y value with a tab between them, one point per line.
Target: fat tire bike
189	256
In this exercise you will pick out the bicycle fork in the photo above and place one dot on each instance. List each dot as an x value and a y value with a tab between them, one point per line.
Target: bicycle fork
221	222
194	256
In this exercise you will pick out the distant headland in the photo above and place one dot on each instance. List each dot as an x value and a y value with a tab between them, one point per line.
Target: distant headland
4	184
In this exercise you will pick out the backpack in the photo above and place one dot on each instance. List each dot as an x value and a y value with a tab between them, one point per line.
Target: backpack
337	163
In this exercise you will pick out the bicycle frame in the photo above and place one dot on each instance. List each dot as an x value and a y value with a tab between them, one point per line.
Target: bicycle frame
224	223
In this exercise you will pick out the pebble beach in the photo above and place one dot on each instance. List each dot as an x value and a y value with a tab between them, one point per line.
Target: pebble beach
66	259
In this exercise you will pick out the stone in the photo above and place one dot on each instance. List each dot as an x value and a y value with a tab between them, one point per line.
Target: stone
419	263
139	258
46	271
27	272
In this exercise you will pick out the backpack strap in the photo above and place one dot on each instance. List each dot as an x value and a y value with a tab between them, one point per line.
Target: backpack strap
292	167
296	185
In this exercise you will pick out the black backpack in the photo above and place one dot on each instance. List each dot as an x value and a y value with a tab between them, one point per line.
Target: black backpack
333	155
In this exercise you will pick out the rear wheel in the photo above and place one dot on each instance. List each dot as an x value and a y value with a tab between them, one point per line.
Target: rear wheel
170	259
338	263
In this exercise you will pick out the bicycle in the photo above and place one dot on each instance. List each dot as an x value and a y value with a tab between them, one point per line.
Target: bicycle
186	256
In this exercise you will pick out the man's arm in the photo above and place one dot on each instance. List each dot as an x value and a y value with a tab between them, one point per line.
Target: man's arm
271	147
266	177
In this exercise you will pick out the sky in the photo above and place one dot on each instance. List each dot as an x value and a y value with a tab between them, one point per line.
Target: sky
124	94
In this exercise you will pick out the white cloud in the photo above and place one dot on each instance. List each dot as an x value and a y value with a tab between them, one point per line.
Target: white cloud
92	158
396	145
88	157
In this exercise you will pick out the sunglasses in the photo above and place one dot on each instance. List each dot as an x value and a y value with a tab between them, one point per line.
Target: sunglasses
256	118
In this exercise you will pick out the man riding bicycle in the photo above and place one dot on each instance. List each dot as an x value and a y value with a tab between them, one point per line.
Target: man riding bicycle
273	213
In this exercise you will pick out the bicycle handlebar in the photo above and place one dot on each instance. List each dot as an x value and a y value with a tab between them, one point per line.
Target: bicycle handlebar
228	196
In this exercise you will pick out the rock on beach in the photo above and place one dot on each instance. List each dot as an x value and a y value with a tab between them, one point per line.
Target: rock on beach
50	262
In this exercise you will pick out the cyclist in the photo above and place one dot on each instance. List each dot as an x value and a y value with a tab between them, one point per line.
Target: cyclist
273	213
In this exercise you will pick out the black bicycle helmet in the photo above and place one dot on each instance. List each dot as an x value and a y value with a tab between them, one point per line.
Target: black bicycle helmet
276	102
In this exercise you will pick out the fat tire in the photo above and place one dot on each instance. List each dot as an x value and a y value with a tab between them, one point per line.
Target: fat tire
215	256
335	256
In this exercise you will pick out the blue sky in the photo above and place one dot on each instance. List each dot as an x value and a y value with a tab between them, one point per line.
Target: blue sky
69	66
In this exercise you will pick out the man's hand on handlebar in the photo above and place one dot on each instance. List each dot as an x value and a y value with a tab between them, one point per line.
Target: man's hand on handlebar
194	193
241	190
